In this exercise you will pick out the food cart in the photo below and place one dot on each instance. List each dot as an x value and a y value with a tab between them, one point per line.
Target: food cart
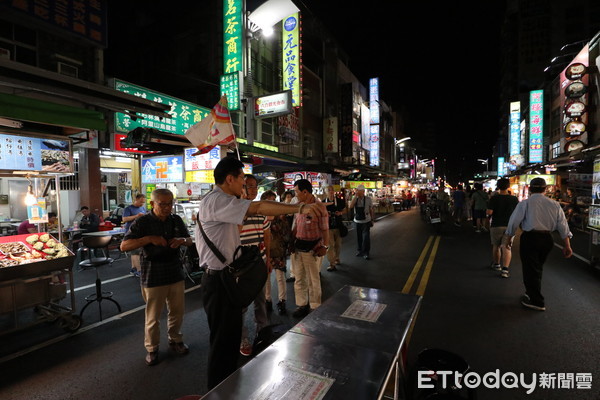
35	268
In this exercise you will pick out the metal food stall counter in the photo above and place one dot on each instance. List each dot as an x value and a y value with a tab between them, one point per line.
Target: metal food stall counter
33	268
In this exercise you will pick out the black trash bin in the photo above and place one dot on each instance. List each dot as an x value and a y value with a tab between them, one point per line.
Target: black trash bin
441	360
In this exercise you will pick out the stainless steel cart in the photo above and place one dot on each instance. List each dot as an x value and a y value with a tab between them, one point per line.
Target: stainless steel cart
31	294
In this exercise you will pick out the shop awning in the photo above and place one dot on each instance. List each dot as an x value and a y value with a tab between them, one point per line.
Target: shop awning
38	111
257	151
15	75
150	139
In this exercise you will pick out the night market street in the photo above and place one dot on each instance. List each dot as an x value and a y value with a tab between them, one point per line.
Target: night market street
467	309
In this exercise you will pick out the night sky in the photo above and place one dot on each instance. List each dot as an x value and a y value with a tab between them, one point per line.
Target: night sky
439	60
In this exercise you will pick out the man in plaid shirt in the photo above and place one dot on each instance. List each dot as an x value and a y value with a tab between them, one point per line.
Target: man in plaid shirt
310	245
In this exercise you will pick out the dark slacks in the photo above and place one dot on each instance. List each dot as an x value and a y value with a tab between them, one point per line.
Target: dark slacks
535	247
363	236
225	324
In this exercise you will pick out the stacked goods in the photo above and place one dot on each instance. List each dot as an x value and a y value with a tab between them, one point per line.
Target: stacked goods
37	248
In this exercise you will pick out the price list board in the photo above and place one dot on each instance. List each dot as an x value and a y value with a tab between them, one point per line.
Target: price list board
20	153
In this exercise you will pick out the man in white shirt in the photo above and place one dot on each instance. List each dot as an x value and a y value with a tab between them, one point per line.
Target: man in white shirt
538	216
220	213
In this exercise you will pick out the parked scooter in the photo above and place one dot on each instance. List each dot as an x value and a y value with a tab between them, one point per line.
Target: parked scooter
433	216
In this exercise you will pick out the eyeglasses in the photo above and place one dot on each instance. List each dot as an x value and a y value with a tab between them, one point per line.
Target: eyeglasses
165	204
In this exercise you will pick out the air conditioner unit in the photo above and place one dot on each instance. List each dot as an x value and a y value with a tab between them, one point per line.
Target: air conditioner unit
68	70
5	53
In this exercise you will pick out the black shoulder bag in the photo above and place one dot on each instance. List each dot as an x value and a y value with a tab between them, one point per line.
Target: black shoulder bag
245	277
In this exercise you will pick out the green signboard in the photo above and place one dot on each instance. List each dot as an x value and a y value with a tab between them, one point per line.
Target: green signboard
230	86
183	114
233	29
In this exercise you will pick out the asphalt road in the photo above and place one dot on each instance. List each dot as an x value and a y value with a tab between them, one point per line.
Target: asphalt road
467	309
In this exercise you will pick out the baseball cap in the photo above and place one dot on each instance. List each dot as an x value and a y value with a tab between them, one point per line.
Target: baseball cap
360	187
537	182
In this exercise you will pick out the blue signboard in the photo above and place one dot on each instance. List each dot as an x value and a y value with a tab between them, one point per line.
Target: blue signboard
23	153
501	171
162	169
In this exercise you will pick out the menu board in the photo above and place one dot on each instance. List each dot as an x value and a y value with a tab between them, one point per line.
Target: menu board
594	210
23	153
162	169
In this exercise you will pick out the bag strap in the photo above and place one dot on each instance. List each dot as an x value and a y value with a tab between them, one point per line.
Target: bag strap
211	245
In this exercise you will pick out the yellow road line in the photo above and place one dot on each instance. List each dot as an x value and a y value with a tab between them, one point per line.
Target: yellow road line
427	272
417	267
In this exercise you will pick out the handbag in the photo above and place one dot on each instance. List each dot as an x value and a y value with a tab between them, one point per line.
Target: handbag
245	276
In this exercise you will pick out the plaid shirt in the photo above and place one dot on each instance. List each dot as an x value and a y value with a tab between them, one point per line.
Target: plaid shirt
309	228
160	265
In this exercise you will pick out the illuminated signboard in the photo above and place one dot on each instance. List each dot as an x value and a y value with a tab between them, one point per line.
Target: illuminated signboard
208	175
365	123
330	135
536	125
183	114
366	184
202	161
550	179
22	153
230	87
514	131
273	105
374	154
374	99
501	170
292	62
162	169
232	35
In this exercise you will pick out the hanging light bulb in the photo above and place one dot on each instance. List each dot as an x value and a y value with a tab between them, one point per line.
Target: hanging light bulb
30	198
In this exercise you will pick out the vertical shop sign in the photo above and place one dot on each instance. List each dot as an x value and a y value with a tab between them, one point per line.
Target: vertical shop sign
536	125
292	61
230	87
149	190
365	127
514	131
374	111
232	35
330	135
346	120
501	171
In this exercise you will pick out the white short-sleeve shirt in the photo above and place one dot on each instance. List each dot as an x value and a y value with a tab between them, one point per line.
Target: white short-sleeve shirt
220	214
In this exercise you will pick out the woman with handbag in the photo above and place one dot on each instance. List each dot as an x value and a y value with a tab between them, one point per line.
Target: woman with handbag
337	229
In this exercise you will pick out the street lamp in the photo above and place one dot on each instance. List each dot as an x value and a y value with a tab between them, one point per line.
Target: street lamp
486	162
398	141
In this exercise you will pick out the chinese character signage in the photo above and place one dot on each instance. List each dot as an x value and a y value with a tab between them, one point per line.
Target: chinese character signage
501	170
23	153
86	19
374	99
233	29
536	125
273	105
330	135
162	169
374	154
365	127
292	62
230	87
514	129
203	161
183	114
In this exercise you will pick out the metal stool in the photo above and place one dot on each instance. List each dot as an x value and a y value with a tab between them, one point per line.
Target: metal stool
92	243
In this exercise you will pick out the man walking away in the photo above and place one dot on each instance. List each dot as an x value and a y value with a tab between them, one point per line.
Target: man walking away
458	198
538	216
500	208
364	216
160	234
480	199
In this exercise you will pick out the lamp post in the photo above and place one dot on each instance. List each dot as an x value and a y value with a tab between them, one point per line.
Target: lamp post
486	162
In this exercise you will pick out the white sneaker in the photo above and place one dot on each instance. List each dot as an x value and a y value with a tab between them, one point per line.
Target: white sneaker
504	273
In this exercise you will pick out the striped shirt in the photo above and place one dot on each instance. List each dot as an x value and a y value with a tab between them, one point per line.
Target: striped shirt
253	230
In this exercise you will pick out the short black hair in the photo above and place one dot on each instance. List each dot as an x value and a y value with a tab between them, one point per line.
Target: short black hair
225	167
503	184
303	184
51	215
250	176
84	208
139	196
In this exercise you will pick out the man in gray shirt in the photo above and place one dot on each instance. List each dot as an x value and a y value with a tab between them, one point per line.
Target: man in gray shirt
538	216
